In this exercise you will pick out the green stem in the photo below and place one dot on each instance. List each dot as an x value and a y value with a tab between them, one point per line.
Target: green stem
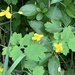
71	65
63	61
8	49
49	3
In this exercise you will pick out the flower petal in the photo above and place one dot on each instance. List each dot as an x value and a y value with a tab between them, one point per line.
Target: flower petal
8	8
2	13
55	45
8	15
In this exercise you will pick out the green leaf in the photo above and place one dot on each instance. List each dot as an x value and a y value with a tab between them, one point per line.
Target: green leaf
11	1
45	10
56	35
39	16
70	12
15	64
45	41
15	53
38	9
42	1
53	66
69	72
55	1
53	26
66	19
14	2
15	38
26	40
5	50
45	59
54	13
8	1
65	50
37	26
66	34
35	52
39	70
71	44
29	64
28	10
67	2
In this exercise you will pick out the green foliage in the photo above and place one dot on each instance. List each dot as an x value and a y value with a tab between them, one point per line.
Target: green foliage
66	34
54	26
36	51
53	66
28	10
22	55
37	26
39	16
11	1
15	50
39	70
26	40
54	13
71	44
55	1
15	38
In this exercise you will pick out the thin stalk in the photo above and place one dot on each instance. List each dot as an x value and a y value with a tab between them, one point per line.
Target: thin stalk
4	23
7	53
71	65
63	61
49	3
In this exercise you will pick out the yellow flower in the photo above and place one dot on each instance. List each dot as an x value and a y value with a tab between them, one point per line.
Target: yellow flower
58	47
37	37
6	13
1	69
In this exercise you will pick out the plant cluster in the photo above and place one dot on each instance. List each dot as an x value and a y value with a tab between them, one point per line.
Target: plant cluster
37	37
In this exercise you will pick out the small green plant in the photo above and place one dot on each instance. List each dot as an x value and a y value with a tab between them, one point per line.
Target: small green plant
42	37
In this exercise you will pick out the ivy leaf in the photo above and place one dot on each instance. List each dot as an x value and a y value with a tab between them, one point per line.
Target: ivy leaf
39	70
15	53
15	38
53	26
28	10
54	13
55	1
53	66
66	34
26	40
71	44
36	51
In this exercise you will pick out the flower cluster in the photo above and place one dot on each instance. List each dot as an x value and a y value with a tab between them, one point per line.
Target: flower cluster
58	47
37	37
6	13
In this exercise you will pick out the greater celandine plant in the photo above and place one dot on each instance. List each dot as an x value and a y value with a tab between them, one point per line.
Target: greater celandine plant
46	49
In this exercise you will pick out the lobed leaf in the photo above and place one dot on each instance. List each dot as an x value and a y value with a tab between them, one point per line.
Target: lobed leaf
35	52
